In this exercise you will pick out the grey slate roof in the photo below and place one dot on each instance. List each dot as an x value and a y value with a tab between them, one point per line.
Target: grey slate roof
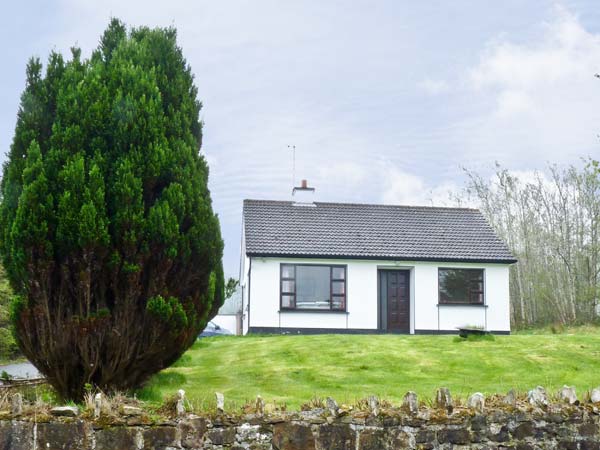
336	230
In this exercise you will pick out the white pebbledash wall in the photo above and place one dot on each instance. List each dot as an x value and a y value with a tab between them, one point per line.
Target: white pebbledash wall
362	297
227	322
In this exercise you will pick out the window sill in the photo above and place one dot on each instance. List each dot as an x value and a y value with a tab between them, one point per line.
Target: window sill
318	311
474	305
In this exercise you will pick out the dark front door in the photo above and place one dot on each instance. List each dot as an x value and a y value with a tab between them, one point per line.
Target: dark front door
396	289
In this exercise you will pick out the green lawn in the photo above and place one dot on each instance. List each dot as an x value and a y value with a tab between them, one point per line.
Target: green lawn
295	369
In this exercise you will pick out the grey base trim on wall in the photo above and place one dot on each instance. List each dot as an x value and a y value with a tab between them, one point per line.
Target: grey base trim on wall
455	332
277	330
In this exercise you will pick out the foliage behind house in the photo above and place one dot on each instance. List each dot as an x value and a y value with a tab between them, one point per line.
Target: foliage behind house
8	346
552	225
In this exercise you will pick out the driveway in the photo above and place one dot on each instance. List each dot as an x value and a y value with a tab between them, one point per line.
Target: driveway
21	370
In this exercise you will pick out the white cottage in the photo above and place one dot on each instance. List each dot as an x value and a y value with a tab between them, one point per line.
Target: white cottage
312	267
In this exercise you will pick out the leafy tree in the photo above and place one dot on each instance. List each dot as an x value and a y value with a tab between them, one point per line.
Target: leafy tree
8	346
108	236
230	287
551	223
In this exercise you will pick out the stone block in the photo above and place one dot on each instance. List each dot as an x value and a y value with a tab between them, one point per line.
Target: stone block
510	398
588	429
17	404
443	399
97	405
133	411
567	445
562	431
258	446
402	439
410	403
427	446
538	397
247	432
479	422
424	436
554	417
373	439
192	431
291	436
374	405
332	406
567	394
65	411
521	446
63	436
116	438
476	402
589	445
260	405
336	436
220	399
6	432
374	421
391	421
478	437
221	436
524	430
498	433
159	438
16	435
459	436
180	407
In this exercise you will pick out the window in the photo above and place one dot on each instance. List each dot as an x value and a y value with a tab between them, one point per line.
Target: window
461	286
313	287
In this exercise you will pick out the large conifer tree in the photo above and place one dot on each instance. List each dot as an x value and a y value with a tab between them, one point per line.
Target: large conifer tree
108	235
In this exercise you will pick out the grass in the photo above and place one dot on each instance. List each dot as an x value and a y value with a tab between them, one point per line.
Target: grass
562	329
292	370
19	359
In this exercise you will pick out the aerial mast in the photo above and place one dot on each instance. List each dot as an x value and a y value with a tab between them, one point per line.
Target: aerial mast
293	148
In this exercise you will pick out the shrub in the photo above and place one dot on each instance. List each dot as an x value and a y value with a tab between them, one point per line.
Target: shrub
108	235
8	345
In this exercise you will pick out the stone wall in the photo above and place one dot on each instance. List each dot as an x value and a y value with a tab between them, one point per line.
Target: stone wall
493	423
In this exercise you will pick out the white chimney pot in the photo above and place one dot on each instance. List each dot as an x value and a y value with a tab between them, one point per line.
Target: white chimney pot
303	195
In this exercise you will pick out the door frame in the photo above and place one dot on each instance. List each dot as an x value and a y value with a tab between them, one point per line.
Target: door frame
380	311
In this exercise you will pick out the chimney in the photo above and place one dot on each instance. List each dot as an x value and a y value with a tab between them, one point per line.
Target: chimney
303	195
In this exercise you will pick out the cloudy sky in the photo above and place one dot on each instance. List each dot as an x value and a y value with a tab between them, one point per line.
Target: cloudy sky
385	101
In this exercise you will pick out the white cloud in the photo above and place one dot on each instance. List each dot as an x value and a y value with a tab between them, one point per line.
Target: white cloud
537	100
434	87
564	52
349	172
514	102
404	188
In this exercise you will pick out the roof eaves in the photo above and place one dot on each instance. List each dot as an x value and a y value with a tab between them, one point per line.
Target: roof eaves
382	258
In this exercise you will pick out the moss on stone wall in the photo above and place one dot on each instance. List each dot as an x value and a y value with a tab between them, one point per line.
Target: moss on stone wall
523	425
